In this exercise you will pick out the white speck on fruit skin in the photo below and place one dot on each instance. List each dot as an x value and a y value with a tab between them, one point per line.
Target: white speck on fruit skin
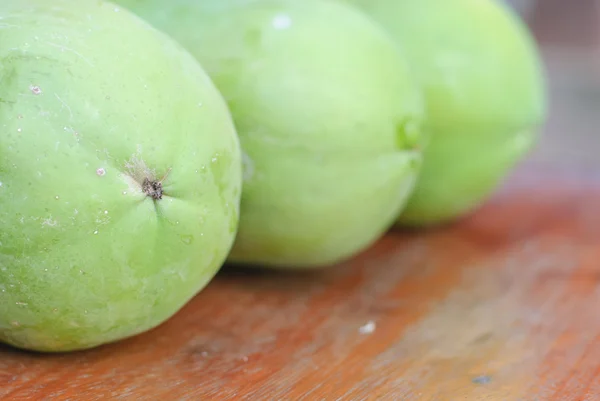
367	328
96	232
49	222
19	130
281	21
36	90
1	184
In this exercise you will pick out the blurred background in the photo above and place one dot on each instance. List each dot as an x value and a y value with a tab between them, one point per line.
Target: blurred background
568	33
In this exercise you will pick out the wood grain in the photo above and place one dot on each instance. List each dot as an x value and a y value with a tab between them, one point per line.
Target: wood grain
501	306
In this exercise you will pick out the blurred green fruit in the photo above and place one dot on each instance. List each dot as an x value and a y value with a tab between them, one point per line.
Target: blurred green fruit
485	94
328	117
120	175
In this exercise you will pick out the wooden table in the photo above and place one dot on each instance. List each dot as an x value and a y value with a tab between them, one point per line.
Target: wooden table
503	305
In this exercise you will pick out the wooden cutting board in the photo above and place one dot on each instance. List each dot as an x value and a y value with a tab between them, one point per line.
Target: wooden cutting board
504	305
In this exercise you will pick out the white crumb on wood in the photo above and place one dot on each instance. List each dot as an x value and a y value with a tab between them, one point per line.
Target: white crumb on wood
367	328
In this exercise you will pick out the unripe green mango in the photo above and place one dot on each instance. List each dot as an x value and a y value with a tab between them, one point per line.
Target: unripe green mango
328	117
484	85
120	175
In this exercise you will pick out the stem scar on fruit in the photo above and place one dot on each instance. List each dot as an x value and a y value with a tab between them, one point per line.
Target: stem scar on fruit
154	188
143	179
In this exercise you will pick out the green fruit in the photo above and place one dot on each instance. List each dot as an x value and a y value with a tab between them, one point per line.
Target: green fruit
101	115
485	93
327	114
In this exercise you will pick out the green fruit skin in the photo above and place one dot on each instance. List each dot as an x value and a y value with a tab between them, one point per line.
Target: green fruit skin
92	99
327	114
485	93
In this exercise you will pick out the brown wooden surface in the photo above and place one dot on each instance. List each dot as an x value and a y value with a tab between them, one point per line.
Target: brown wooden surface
504	305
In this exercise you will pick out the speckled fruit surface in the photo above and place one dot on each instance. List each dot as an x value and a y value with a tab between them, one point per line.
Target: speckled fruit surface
120	175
